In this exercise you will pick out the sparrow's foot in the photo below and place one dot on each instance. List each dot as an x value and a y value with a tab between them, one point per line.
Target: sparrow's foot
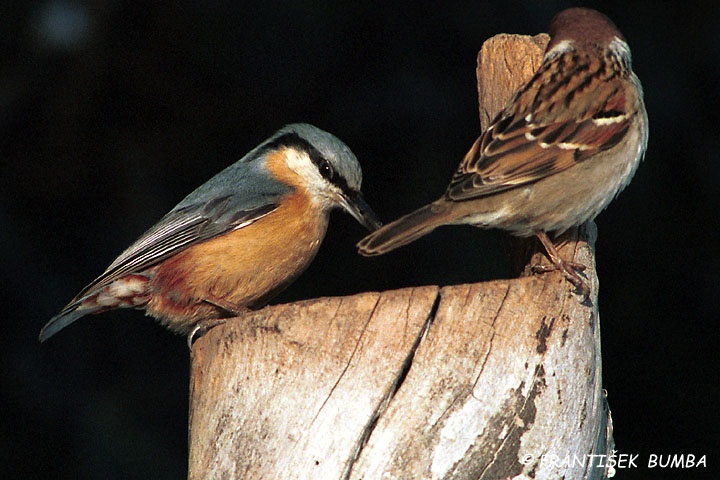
569	269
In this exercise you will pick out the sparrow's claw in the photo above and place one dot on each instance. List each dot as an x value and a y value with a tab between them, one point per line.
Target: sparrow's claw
569	269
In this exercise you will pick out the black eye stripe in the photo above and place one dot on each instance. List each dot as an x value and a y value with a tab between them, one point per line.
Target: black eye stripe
293	140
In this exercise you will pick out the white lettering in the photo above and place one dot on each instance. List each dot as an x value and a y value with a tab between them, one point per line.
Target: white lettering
676	460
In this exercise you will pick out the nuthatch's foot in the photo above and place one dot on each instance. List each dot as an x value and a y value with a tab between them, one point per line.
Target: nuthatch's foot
201	328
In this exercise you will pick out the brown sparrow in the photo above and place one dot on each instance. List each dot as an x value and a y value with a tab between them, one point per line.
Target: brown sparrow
563	147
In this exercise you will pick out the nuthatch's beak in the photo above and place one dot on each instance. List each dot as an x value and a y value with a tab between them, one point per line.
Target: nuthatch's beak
354	203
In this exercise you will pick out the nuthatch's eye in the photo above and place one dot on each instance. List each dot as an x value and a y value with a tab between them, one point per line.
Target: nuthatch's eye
326	170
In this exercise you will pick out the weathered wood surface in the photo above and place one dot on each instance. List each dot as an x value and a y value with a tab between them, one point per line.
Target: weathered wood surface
492	380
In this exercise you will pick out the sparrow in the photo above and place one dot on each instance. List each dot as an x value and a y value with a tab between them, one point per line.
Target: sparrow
555	156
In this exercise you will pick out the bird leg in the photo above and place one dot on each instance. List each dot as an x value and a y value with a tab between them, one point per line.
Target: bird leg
569	269
203	326
231	309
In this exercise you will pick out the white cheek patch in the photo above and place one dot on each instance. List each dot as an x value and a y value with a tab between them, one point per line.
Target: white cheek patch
620	48
299	162
303	166
562	47
322	193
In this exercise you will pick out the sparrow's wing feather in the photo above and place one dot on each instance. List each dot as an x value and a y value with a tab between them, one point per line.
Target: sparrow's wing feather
184	226
538	135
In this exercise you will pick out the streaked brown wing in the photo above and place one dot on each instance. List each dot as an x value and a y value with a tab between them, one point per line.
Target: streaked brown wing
537	135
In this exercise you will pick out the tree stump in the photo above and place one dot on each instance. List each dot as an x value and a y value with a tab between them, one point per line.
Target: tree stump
498	379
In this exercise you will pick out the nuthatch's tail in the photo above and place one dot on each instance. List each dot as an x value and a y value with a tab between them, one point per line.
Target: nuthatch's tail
405	229
69	314
129	291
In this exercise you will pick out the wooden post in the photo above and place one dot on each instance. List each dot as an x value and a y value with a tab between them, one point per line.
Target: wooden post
491	380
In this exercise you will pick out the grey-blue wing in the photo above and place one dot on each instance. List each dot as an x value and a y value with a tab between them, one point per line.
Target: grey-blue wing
234	198
184	226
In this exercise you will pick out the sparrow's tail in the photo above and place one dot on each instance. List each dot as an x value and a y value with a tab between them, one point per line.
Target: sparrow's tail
405	229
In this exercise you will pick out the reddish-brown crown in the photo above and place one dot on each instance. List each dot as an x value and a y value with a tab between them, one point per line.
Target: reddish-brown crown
582	26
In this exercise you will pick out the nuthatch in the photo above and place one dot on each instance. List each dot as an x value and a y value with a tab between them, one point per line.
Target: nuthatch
558	153
237	240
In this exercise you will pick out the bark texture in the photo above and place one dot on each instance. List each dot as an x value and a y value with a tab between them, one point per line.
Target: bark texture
491	380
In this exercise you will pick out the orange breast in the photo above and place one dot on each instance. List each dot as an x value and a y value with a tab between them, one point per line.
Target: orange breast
245	267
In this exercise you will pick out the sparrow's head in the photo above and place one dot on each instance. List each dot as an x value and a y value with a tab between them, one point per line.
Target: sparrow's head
582	27
589	30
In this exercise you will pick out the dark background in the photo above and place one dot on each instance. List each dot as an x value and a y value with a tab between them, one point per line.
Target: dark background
111	113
